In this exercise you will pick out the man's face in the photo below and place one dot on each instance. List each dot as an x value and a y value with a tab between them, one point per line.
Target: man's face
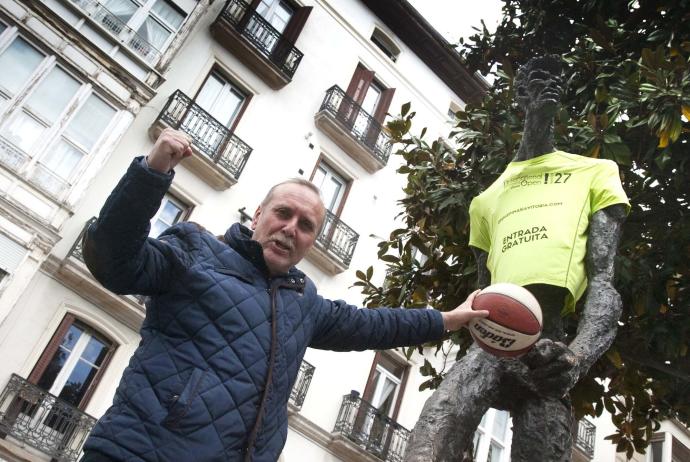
287	226
543	91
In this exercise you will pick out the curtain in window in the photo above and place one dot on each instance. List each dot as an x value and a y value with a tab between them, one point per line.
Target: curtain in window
52	95
168	14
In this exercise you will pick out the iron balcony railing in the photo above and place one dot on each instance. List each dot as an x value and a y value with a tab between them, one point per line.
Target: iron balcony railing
337	239
374	432
119	29
43	421
299	389
210	137
586	432
360	125
263	36
77	252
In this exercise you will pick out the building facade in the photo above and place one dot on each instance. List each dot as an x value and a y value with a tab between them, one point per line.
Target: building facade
267	90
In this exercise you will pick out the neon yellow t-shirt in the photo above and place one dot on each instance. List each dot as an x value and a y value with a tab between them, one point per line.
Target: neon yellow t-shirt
533	219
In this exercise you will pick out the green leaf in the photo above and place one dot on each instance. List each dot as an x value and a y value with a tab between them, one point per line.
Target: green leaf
405	109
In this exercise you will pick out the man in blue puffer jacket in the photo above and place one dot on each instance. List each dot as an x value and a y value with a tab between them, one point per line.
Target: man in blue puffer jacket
227	320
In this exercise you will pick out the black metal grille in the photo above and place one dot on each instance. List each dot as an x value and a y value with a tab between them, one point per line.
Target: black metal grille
43	421
337	239
209	136
299	389
361	126
364	425
586	432
263	36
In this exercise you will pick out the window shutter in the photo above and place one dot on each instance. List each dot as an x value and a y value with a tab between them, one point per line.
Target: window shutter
359	84
296	24
11	254
50	350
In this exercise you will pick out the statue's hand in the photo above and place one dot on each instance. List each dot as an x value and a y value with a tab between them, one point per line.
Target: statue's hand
554	367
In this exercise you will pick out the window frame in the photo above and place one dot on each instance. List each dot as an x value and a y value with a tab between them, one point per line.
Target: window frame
389	362
218	71
330	166
386	44
185	206
54	344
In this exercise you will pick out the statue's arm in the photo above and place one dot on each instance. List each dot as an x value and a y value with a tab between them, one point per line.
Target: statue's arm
602	309
483	273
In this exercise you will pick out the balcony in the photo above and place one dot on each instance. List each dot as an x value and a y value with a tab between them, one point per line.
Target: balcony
361	427
256	43
220	155
334	246
301	386
120	31
356	132
584	441
38	419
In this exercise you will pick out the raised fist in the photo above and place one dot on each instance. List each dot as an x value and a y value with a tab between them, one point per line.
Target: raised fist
170	148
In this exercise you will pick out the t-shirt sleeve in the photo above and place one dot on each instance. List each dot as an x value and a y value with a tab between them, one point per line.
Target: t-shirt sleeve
607	188
479	227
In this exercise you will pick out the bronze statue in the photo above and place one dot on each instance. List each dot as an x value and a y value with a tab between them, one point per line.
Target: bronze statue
564	195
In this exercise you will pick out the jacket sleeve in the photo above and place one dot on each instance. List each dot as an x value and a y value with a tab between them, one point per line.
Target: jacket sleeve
343	327
116	247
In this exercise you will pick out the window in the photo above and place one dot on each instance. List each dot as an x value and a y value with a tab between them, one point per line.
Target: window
11	255
73	362
170	212
385	44
492	437
276	12
147	25
371	102
385	384
332	186
222	99
55	120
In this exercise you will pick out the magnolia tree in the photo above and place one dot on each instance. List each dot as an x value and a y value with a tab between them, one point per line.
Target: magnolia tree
627	98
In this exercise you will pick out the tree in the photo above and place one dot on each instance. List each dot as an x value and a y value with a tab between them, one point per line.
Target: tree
628	99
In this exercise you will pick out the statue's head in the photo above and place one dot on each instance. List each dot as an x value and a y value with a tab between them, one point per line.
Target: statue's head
538	84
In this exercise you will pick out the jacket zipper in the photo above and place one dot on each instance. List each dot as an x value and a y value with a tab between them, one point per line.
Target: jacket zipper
269	377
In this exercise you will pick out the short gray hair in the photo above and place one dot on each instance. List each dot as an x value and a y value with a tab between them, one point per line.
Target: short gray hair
301	182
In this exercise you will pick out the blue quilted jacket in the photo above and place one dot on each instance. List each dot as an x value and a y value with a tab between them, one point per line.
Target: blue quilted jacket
222	342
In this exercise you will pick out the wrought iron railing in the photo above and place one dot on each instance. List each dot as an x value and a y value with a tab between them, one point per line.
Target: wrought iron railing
43	421
337	239
374	432
586	432
119	29
263	36
76	251
209	136
299	389
361	126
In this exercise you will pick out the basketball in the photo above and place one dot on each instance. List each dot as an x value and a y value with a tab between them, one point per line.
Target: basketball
514	322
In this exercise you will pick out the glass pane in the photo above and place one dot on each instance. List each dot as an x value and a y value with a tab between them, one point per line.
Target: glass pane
90	122
281	17
170	213
123	10
18	62
154	33
95	351
2	28
63	159
220	99
52	95
500	424
657	451
23	130
495	453
371	99
59	358
157	227
78	382
167	13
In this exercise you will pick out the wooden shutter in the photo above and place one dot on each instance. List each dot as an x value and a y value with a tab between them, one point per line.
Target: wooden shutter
50	350
359	84
296	24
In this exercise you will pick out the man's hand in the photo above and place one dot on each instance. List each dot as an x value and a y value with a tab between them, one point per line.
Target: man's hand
170	148
554	367
460	316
